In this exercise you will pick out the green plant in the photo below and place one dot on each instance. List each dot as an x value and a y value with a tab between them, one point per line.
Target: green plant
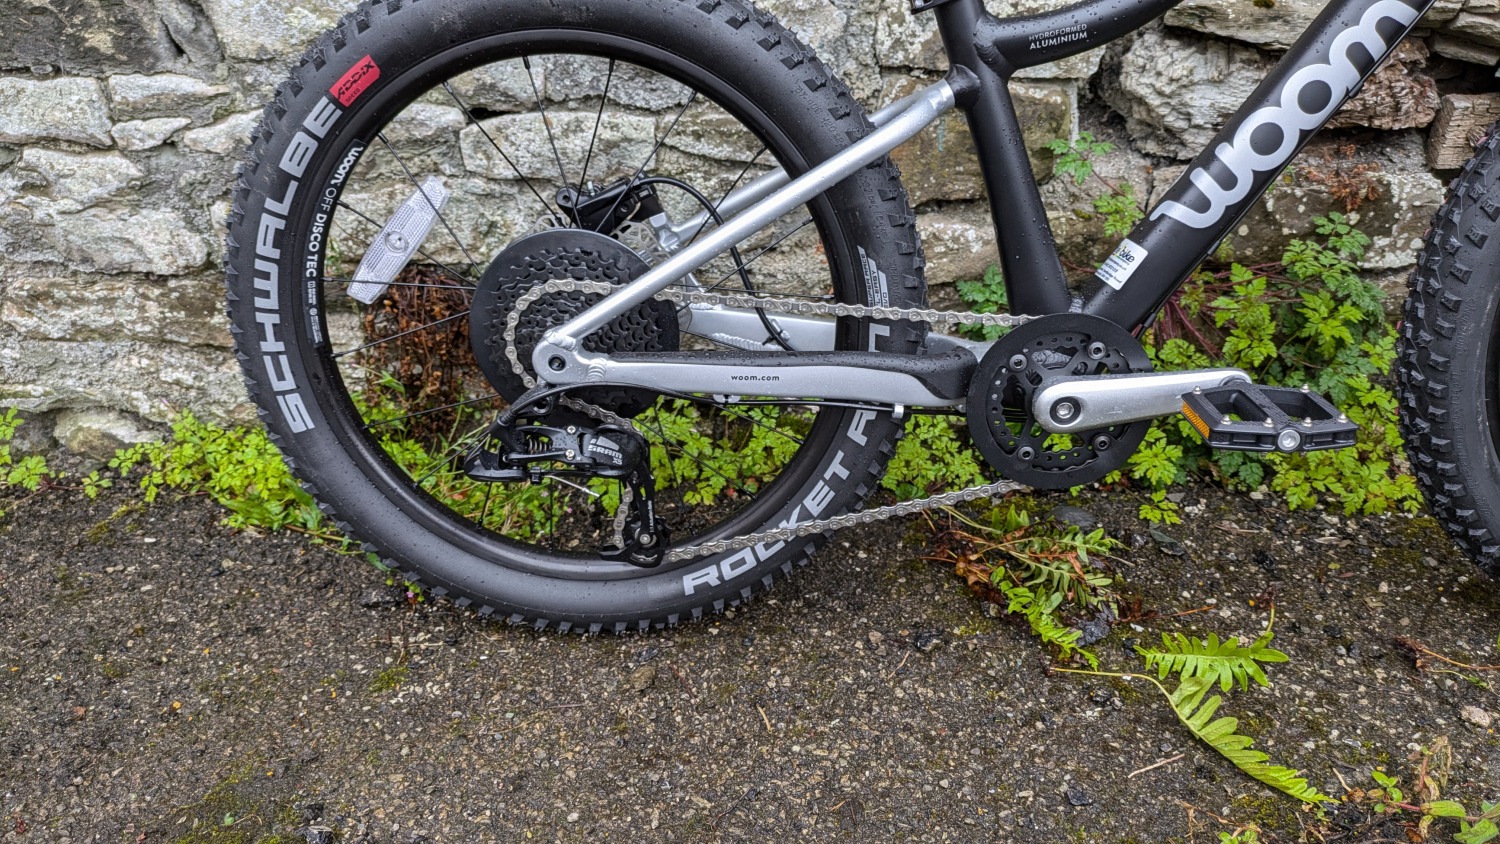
1035	570
27	473
932	457
1422	802
1118	206
986	296
238	468
1201	664
1226	663
1308	320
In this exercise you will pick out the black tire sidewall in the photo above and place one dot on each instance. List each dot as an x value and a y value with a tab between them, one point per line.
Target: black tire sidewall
280	337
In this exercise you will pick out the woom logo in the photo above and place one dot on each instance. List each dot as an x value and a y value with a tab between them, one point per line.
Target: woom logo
352	84
1289	119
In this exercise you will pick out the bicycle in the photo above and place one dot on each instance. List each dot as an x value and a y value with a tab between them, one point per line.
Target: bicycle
677	295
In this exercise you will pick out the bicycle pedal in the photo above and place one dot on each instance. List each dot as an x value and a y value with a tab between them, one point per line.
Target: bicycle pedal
1249	417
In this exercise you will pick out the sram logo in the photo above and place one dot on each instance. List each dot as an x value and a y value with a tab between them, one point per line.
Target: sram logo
1289	119
355	81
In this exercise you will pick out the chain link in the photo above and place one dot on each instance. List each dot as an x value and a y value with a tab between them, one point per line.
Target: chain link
688	298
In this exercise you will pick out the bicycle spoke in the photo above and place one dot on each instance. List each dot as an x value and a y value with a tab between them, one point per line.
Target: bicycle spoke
728	480
692	98
447	455
435	262
430	204
400	335
752	420
734	273
727	191
562	175
469	115
335	280
598	118
373	425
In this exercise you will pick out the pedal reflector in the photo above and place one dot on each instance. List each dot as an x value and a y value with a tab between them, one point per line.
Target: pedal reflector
1249	417
398	241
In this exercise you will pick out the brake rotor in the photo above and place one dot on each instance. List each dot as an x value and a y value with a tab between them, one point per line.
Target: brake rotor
1008	377
580	255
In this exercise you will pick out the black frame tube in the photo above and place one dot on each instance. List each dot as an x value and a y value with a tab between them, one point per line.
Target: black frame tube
1322	70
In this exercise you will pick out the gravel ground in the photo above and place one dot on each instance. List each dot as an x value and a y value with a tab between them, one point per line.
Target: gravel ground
165	679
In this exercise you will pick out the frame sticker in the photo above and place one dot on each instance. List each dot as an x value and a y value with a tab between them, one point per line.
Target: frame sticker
1118	267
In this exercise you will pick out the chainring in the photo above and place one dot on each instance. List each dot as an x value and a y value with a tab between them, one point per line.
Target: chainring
1007	378
579	255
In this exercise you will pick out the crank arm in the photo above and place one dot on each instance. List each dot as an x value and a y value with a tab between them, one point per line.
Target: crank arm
1088	402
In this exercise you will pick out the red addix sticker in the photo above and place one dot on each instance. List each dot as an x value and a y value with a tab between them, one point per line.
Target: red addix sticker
352	84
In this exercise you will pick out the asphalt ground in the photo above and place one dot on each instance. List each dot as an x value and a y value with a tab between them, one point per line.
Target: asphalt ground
163	678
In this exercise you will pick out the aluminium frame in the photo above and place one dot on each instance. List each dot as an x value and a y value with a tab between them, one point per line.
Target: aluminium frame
1326	66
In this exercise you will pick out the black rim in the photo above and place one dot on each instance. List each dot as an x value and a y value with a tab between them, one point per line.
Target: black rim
394	481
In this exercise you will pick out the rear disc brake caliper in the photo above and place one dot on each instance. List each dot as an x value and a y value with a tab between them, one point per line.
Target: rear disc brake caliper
527	450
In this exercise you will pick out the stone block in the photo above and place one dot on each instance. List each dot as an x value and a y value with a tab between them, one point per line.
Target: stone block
1176	89
95	37
1461	122
940	163
1484	28
1271	25
64	109
260	30
146	240
100	433
1398	95
1454	47
959	244
52	182
57	308
1398	198
130	376
229	136
136	96
136	135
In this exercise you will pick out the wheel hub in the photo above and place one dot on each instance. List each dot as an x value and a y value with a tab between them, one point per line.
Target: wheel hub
1000	400
565	254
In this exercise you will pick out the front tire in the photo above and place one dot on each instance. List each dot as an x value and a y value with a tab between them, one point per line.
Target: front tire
1449	359
381	75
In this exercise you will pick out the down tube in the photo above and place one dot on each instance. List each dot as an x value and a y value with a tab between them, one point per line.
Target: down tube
1323	69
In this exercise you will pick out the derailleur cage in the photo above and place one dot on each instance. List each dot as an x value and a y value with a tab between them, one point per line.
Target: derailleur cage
530	451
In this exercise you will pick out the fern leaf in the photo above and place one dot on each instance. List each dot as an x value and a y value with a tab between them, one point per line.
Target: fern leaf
1225	662
1196	714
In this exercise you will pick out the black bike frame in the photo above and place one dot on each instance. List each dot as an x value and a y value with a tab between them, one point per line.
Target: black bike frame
1322	70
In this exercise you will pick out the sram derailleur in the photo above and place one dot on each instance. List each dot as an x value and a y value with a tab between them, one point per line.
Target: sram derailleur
528	450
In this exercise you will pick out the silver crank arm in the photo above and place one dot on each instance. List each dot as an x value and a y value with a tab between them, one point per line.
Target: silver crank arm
1088	402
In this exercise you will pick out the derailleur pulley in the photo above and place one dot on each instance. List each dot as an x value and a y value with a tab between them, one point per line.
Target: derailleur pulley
528	450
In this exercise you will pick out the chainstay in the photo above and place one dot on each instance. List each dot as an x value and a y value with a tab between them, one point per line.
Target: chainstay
799	530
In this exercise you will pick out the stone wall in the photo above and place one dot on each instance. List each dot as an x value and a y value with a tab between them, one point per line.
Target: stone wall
121	120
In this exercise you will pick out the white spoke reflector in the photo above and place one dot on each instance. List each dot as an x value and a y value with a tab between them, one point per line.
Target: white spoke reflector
398	241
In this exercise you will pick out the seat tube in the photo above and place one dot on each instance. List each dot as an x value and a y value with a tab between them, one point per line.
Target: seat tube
1034	277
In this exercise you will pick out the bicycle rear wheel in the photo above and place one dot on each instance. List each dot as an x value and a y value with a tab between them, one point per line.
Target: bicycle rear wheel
510	106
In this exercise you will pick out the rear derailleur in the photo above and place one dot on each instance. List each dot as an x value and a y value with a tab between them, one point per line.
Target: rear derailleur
525	449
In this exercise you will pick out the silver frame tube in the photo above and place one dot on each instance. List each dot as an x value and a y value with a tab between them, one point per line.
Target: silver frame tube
928	105
763	186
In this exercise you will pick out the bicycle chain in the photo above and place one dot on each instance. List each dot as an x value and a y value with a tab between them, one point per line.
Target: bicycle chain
788	306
